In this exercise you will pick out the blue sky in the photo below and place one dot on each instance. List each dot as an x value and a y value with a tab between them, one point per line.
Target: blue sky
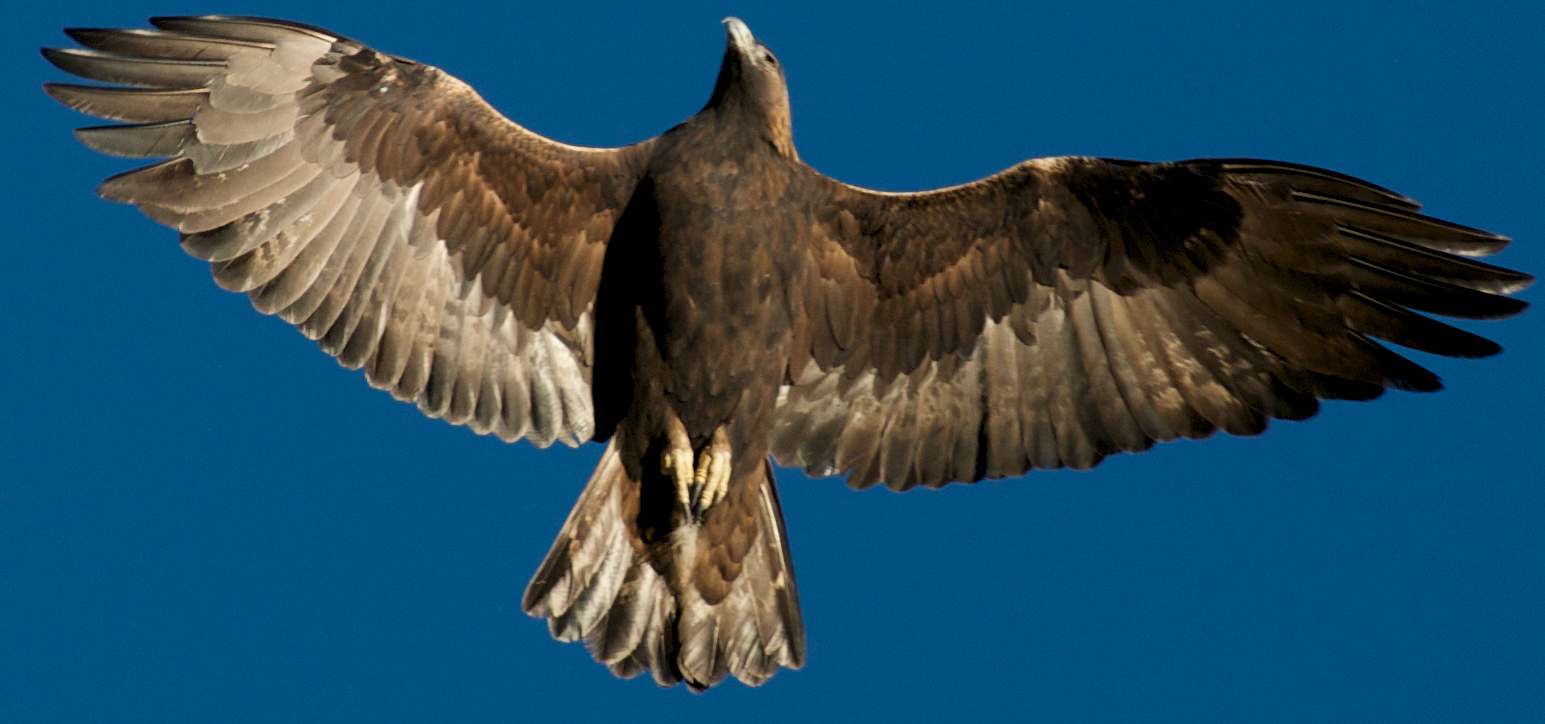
204	519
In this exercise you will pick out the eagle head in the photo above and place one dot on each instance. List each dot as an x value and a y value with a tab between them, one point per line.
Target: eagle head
752	88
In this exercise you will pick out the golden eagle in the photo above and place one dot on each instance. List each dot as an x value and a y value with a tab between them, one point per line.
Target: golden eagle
703	300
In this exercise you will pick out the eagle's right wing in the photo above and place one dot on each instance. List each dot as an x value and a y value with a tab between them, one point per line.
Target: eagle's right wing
376	203
1071	308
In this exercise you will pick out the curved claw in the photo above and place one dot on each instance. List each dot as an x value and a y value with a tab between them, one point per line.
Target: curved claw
712	479
697	487
676	464
676	461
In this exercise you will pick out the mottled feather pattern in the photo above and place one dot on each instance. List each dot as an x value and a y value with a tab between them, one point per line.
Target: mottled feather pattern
707	290
376	203
701	604
1068	309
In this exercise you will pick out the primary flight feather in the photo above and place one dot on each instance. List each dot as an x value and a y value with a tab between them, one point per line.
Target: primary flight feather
703	300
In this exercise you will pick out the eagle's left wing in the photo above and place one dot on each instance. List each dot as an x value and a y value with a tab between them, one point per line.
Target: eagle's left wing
1070	308
376	203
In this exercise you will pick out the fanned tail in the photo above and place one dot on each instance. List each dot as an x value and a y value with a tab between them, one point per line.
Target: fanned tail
690	604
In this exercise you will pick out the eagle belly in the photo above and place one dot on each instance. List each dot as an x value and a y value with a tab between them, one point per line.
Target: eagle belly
694	321
712	325
725	328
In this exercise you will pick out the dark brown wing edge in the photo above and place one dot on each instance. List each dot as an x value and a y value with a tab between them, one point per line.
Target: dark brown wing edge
378	204
1072	308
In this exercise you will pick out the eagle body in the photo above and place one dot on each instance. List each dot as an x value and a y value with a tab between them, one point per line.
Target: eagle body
704	303
697	328
711	342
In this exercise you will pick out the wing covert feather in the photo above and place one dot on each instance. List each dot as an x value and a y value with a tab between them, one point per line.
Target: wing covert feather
376	203
1071	308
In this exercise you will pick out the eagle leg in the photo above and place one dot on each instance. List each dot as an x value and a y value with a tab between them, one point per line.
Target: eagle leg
676	460
712	480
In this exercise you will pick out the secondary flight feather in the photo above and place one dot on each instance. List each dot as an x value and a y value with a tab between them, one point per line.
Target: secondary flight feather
704	303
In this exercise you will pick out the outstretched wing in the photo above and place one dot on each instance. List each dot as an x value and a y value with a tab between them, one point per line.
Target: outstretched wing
376	203
1070	308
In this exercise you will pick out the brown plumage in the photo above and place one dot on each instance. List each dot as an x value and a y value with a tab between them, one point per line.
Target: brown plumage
703	300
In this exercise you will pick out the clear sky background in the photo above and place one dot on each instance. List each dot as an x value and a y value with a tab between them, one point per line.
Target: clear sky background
205	519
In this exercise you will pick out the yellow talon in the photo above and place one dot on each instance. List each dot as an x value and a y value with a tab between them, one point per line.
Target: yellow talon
676	462
697	487
712	479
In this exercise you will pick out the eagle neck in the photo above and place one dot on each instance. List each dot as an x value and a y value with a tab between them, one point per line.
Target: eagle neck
737	124
746	101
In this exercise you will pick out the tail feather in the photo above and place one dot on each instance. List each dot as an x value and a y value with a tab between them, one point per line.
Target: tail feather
702	602
746	630
588	561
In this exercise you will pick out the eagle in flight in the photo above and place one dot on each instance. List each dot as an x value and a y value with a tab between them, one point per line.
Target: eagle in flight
705	303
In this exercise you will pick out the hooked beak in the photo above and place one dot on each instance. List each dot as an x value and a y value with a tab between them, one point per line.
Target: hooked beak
740	35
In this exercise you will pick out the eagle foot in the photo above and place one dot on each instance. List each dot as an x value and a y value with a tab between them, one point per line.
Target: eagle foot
712	479
676	464
698	486
676	461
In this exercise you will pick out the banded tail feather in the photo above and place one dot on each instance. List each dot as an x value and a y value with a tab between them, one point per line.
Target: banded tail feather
683	604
